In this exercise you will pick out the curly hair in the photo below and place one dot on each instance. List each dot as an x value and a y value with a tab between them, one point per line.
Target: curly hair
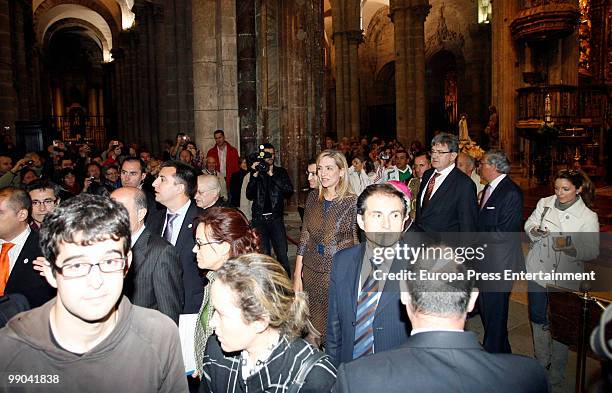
263	290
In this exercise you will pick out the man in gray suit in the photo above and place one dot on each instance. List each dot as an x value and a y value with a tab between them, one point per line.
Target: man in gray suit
155	278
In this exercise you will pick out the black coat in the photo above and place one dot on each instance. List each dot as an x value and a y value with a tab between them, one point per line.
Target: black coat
155	277
278	186
442	362
452	208
192	279
25	280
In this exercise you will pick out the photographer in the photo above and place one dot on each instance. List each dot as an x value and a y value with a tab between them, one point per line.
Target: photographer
181	142
113	155
268	187
13	177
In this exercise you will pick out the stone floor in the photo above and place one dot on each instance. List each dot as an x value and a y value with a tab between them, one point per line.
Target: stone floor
518	324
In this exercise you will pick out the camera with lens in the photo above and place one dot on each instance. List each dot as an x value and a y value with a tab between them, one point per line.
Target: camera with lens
383	155
259	158
29	163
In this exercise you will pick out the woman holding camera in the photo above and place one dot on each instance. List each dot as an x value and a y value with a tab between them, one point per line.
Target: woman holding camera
330	225
258	321
564	232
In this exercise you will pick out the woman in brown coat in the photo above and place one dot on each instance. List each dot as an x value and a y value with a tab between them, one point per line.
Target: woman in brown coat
329	226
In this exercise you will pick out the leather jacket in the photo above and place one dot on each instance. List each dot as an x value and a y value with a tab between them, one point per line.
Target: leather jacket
278	186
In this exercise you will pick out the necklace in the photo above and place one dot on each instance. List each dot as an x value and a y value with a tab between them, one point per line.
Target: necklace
248	367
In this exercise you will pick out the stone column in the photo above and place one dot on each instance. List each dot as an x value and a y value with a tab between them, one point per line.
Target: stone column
347	81
92	102
290	77
408	16
8	97
246	43
215	71
505	80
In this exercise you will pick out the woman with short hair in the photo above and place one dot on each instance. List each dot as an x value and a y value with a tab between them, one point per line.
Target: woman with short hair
220	233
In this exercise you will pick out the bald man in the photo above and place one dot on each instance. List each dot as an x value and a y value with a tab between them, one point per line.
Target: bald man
467	165
208	193
155	278
210	169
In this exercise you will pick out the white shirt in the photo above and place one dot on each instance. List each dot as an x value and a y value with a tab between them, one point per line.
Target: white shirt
177	224
425	330
495	182
443	174
18	242
136	236
222	152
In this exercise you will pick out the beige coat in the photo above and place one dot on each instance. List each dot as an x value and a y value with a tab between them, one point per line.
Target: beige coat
579	222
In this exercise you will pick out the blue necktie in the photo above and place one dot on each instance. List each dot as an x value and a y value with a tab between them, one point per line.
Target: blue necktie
366	308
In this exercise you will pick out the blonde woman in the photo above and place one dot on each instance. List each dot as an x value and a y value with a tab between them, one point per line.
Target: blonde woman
258	321
330	225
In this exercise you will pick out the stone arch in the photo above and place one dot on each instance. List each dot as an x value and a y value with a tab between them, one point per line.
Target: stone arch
97	7
380	26
92	30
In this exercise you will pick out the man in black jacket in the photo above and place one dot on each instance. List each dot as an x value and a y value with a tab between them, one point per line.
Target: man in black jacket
439	356
268	187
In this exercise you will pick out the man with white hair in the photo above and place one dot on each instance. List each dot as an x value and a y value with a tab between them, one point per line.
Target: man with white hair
208	192
467	165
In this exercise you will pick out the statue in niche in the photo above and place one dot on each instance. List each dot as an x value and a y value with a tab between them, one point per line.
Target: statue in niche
464	134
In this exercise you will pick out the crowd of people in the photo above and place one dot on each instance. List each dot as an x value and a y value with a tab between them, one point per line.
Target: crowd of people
107	249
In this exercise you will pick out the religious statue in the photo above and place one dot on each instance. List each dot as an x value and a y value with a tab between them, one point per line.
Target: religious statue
464	135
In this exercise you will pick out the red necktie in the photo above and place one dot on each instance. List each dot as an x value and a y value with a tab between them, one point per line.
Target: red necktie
5	266
429	190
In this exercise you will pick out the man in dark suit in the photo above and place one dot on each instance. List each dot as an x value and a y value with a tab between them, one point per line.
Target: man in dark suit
155	277
381	214
174	187
19	249
447	197
439	356
499	220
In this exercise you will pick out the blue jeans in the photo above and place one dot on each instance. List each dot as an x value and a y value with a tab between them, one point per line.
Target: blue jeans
538	303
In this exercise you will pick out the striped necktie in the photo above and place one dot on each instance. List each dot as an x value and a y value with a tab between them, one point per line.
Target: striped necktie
366	308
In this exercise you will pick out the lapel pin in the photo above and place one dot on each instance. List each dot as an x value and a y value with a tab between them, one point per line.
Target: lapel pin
189	226
26	260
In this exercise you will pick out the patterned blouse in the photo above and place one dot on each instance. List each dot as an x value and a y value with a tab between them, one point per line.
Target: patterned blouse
223	371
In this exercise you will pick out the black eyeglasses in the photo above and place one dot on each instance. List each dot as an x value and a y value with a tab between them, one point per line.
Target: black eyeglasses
438	152
46	202
82	269
201	244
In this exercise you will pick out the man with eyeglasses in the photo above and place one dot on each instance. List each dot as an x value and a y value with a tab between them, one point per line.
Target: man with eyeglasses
208	193
20	247
45	196
447	196
89	337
